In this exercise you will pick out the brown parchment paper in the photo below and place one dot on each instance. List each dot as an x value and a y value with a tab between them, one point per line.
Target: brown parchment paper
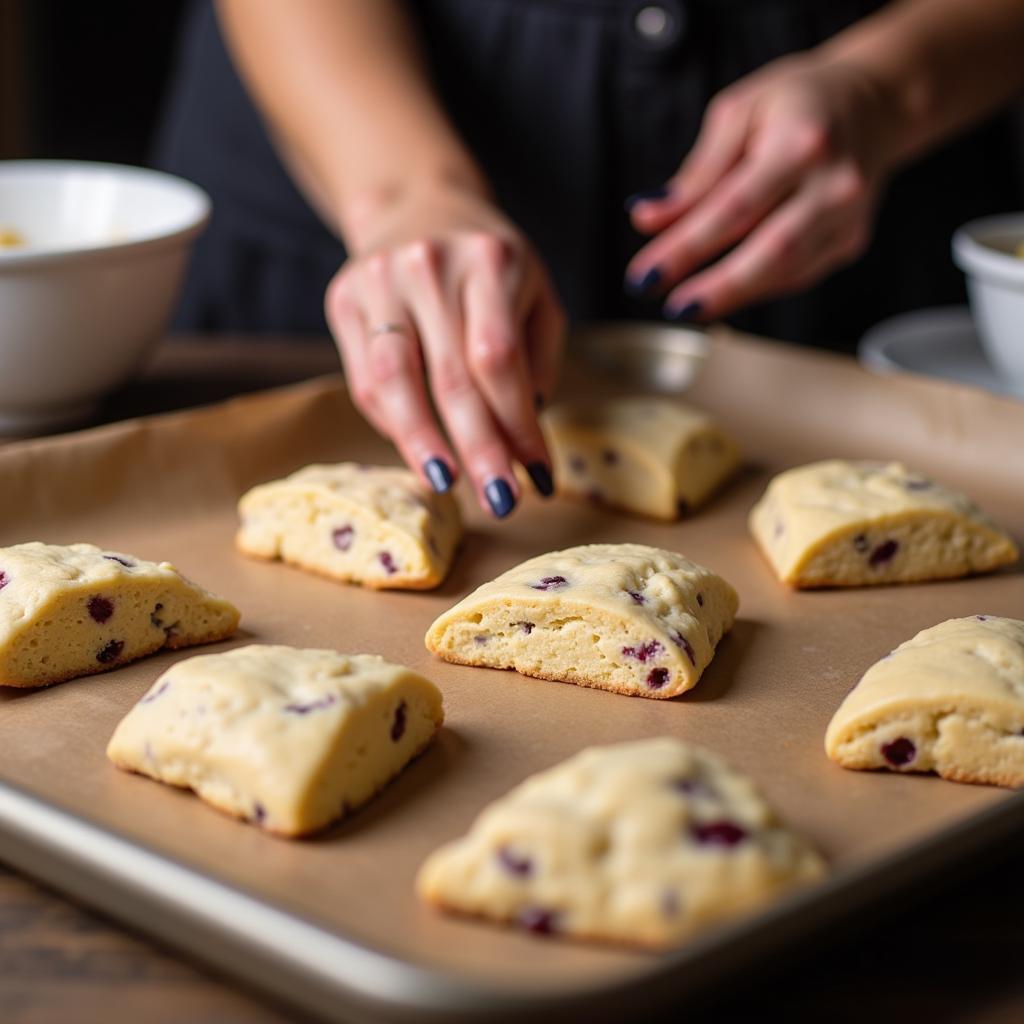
165	488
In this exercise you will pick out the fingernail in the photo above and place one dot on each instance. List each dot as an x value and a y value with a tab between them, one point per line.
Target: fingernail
538	401
686	313
647	195
499	497
640	285
541	477
439	475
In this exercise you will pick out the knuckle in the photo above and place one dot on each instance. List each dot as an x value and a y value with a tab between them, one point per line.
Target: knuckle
812	140
723	107
487	248
339	298
362	393
387	362
378	266
448	377
493	349
420	256
849	186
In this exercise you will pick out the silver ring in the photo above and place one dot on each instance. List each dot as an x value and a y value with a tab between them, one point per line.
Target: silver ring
388	328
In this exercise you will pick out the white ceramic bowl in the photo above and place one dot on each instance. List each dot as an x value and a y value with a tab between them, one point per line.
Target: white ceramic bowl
986	251
91	288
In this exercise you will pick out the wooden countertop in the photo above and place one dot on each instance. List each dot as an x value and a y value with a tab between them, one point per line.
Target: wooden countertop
947	951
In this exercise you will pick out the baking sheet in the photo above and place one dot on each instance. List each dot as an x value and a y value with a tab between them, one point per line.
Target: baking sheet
165	488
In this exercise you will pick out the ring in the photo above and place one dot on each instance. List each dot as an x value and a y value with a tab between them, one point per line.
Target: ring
388	328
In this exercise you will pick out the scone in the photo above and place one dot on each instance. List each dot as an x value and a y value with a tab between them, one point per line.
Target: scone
74	610
621	617
949	701
648	456
850	524
288	739
642	843
374	525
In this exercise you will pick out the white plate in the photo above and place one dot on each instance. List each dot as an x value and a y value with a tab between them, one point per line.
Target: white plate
940	342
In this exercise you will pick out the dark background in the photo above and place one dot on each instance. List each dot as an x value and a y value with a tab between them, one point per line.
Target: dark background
84	80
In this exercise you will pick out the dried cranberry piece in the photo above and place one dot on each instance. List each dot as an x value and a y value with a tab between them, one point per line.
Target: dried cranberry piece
718	833
700	600
684	645
154	618
577	464
550	583
645	652
860	543
883	553
342	537
657	678
398	725
4	579
899	752
980	618
161	689
259	813
609	457
692	787
481	639
100	608
110	652
917	484
517	864
527	627
638	598
387	562
313	705
595	496
538	920
122	561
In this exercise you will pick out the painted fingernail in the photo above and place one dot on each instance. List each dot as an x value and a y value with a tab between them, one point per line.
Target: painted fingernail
499	497
538	401
684	314
439	475
647	195
640	285
541	477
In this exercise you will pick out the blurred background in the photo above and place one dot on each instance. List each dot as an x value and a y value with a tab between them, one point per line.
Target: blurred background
84	80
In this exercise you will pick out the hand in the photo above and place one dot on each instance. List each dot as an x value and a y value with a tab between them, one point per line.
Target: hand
787	169
442	284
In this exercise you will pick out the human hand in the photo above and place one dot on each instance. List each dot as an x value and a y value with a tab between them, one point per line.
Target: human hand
443	293
786	170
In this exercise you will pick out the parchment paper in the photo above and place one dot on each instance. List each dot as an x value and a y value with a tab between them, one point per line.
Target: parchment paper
166	488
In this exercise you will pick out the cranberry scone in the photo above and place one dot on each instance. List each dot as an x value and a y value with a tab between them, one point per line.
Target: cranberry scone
286	738
623	617
373	525
643	843
852	524
74	610
951	701
647	456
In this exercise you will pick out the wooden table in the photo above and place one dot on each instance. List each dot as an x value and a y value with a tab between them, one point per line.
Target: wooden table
946	952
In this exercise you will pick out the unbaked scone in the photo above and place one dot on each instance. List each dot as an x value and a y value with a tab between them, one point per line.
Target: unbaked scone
374	525
951	701
286	738
850	524
649	456
621	617
642	843
74	610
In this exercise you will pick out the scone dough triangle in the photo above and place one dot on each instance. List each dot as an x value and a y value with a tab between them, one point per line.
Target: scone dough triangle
641	843
76	609
950	700
373	525
850	524
623	617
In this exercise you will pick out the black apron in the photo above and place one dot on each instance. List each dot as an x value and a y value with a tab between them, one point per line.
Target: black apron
570	106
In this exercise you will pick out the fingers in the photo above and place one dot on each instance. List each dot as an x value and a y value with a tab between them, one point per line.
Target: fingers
718	148
814	232
496	358
470	423
396	373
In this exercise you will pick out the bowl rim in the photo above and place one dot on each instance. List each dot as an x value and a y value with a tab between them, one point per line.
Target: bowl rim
189	229
976	258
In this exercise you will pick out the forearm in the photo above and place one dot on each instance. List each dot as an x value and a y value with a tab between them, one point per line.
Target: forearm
941	64
344	87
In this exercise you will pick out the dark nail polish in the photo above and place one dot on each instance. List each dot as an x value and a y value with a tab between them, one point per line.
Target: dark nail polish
541	477
499	497
638	286
439	475
685	314
538	401
647	195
